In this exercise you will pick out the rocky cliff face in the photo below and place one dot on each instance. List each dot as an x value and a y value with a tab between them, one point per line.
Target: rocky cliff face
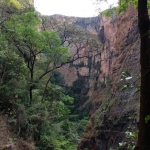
114	111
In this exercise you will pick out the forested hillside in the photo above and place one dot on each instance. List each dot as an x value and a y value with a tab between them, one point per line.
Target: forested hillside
34	97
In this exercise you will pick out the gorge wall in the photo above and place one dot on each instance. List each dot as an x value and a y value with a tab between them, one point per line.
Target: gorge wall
113	111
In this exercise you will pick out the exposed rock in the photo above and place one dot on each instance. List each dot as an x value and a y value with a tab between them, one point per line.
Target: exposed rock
111	119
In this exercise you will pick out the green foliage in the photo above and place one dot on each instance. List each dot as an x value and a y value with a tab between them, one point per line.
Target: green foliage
57	79
147	118
123	5
79	92
12	74
46	119
12	4
109	12
41	50
130	143
127	84
50	121
126	75
103	84
36	100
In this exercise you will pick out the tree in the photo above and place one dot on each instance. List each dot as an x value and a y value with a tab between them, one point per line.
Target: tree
41	50
12	79
144	27
77	38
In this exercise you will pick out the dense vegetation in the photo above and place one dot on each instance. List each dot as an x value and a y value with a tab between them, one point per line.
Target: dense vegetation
31	94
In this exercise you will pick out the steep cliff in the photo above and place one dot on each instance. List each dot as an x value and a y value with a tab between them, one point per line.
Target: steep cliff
115	111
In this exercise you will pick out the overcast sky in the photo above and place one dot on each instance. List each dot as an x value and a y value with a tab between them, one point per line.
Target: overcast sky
77	8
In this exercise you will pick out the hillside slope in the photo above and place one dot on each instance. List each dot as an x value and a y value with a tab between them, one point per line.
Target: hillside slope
9	140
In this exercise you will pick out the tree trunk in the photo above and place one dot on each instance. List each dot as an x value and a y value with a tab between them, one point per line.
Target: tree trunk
31	86
144	128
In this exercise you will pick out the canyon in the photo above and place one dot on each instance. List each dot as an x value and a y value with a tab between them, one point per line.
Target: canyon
113	111
103	72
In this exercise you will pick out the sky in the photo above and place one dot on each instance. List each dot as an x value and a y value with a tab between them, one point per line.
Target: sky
76	8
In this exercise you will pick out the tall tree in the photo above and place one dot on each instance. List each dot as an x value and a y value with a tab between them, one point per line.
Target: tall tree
41	50
144	27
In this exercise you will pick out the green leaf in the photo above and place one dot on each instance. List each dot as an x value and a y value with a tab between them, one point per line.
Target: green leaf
124	87
147	118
